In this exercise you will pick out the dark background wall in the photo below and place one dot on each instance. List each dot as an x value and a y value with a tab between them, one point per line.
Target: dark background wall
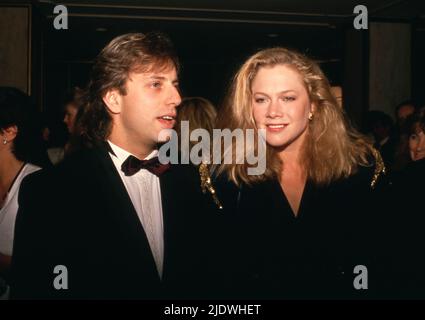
214	37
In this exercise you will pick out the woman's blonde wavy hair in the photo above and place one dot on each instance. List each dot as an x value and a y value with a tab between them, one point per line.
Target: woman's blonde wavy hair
332	148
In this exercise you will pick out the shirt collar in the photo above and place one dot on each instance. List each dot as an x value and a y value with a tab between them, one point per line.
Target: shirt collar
122	154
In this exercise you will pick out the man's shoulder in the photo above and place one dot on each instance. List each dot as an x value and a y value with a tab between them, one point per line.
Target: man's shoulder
75	167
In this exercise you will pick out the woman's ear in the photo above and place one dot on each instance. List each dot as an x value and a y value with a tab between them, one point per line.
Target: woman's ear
112	99
9	133
312	108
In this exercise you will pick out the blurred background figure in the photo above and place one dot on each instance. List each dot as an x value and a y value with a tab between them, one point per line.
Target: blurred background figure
401	134
403	110
409	214
416	125
337	93
20	135
54	137
71	107
381	127
200	113
60	137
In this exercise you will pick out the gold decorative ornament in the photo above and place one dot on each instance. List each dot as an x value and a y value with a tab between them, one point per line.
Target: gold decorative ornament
379	168
206	184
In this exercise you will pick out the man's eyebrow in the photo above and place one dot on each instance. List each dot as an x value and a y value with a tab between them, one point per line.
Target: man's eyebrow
157	78
162	78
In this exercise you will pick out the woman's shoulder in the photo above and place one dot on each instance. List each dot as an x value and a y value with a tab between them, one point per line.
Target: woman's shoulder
30	168
371	175
377	170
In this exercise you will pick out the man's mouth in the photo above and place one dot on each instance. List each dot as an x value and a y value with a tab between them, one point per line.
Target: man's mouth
167	120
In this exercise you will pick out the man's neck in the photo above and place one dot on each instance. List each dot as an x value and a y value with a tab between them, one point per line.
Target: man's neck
139	150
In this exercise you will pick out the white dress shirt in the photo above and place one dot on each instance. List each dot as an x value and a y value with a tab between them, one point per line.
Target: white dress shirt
145	193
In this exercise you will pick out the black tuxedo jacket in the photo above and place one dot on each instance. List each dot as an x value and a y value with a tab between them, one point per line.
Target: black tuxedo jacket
79	215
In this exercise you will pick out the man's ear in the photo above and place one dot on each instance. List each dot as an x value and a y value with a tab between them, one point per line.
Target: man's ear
112	99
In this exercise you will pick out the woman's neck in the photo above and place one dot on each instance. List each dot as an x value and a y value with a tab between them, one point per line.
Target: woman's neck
9	167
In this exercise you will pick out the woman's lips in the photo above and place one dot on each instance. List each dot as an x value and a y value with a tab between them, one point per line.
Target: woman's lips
276	127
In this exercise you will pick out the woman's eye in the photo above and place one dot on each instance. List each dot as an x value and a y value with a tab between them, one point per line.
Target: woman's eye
288	98
260	100
413	137
156	84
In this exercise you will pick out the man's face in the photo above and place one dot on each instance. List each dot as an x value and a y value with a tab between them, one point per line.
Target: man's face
404	112
70	115
148	107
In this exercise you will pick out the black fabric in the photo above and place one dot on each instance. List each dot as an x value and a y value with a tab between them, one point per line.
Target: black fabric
79	215
408	236
312	256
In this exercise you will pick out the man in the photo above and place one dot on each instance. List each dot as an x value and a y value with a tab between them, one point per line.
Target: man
403	110
116	226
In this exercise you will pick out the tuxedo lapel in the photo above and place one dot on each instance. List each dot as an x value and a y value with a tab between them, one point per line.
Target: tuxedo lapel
167	195
120	206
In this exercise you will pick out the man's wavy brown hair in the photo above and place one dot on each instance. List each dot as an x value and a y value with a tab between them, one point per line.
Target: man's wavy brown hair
132	52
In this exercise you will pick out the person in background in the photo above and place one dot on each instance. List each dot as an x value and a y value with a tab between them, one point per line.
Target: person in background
17	134
408	215
199	112
402	112
72	104
381	126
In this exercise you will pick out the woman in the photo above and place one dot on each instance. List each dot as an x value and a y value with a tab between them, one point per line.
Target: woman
302	226
200	114
72	112
417	137
17	139
409	235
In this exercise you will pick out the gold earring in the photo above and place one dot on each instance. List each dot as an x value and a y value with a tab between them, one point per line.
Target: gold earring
310	116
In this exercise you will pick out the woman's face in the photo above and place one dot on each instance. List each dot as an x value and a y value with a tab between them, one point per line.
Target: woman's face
70	115
281	106
417	145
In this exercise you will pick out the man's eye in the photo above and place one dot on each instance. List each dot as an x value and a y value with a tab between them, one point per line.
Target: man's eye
156	84
413	137
288	98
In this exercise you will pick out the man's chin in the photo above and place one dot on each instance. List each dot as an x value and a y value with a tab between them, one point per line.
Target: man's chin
166	135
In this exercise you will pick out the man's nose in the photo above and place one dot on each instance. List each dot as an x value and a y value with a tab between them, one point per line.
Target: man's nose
175	97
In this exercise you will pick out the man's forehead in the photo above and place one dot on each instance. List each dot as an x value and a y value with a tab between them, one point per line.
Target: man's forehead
169	73
154	66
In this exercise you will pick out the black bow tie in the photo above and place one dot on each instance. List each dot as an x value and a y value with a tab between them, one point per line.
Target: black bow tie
132	165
